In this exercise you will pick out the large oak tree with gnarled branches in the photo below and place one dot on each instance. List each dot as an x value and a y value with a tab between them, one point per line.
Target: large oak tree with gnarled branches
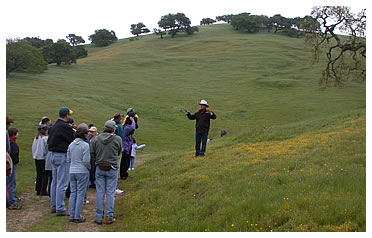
341	34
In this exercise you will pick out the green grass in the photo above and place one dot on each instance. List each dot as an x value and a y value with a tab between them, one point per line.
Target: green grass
263	89
312	182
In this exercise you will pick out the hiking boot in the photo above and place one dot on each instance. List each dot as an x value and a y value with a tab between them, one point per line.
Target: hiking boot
62	214
81	220
53	211
98	222
92	186
15	207
109	220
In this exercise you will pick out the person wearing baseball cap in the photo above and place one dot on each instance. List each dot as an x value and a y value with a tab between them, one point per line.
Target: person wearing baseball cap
202	117
105	151
59	139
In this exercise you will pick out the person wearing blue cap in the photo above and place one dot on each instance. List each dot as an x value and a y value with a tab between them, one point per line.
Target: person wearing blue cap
59	139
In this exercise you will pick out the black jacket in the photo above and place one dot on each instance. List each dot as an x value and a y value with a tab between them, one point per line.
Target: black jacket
202	120
60	136
14	152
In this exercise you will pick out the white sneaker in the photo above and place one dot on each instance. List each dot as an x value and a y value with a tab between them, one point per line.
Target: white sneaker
118	191
86	202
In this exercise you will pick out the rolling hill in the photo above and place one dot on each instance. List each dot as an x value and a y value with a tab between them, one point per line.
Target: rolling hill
293	159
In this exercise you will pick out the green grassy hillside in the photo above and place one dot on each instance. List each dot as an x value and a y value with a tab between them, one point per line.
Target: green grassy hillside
265	93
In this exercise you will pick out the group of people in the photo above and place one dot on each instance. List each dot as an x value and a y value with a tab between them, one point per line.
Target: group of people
69	156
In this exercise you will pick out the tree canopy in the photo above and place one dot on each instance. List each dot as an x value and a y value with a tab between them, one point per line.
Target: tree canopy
75	40
207	21
345	52
23	57
246	21
225	18
138	29
59	52
103	37
175	23
37	42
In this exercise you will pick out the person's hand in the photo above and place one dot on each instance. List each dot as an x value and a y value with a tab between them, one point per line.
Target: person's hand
186	110
131	118
208	111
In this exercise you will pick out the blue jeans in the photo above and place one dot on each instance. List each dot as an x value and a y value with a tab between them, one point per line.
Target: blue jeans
11	183
60	174
106	183
131	162
200	137
78	187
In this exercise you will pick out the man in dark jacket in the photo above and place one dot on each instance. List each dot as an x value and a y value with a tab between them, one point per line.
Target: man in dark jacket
202	117
58	141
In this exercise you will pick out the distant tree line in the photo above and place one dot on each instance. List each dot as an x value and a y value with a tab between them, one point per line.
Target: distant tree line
33	54
293	27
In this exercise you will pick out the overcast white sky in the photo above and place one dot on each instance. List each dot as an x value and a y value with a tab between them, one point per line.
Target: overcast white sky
56	19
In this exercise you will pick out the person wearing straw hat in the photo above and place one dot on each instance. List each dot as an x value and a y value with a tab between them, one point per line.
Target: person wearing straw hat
202	117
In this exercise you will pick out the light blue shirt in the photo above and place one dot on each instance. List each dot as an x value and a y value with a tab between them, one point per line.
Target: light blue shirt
78	154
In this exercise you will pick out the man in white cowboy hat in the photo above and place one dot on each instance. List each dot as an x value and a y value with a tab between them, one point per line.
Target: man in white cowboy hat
202	117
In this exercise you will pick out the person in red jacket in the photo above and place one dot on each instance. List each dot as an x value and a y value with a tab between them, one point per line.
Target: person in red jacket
202	117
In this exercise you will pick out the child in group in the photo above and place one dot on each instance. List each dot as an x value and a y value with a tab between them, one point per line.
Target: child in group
48	163
135	147
39	153
11	180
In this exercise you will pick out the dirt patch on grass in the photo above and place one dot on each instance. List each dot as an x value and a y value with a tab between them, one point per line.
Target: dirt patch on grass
34	209
37	208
